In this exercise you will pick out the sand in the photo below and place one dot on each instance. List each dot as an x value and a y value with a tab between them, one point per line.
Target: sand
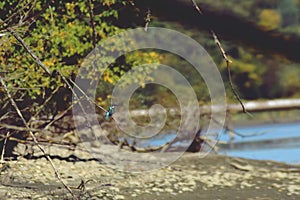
190	177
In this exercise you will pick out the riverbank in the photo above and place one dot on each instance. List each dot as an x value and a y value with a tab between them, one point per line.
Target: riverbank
212	177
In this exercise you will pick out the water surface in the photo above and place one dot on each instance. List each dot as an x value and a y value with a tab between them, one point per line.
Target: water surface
278	142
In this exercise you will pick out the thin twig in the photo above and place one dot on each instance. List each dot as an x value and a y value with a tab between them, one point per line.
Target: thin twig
35	140
79	103
9	136
218	43
237	133
40	108
197	7
5	116
59	116
19	128
36	59
22	88
39	62
224	55
17	12
86	96
232	87
91	13
147	19
4	147
234	91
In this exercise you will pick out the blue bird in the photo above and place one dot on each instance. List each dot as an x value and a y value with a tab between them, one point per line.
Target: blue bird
109	112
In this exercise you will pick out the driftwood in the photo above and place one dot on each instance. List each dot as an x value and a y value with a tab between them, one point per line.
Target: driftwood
251	106
270	105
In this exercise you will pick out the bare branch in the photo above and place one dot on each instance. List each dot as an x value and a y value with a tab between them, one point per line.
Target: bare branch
86	96
17	12
59	116
224	55
197	7
237	133
36	59
40	108
4	147
19	128
91	13
35	140
39	63
147	19
234	91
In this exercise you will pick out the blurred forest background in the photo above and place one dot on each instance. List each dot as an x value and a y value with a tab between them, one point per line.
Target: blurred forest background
258	36
261	37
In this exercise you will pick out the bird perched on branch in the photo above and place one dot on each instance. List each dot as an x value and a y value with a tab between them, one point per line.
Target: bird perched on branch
109	112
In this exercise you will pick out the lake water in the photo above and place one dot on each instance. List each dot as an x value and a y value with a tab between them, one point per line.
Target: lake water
278	142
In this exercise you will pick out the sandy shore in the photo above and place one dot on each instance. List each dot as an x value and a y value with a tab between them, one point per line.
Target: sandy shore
190	177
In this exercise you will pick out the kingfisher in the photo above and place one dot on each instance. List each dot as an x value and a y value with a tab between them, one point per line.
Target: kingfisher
109	112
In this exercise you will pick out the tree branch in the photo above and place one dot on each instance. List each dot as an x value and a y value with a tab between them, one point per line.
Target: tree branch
224	55
4	147
36	59
35	140
91	13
